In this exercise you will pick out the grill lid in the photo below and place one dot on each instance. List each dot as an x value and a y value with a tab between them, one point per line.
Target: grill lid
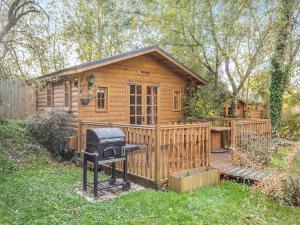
101	135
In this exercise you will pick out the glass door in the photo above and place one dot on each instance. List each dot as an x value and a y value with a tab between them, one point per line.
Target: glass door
135	102
151	104
143	103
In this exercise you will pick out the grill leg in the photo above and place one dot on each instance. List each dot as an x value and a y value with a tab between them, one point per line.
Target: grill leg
84	172
113	171
96	177
126	183
125	169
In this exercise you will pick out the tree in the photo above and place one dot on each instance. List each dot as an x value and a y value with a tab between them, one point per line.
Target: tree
242	36
16	11
98	28
226	41
181	28
281	61
29	40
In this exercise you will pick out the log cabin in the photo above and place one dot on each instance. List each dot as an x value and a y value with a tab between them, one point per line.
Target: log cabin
143	86
140	92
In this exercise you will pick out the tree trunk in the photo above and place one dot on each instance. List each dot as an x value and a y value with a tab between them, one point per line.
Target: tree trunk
279	69
233	105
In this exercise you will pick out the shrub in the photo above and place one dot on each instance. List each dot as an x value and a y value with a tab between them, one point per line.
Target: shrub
283	185
253	152
203	102
46	126
290	126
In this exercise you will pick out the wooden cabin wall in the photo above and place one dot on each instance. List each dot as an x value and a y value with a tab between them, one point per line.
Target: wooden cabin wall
116	77
58	102
257	111
240	111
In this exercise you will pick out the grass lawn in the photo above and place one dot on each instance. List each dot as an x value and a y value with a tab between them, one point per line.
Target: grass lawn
41	191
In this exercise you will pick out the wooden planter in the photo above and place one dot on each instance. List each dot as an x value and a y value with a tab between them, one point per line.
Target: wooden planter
188	180
73	142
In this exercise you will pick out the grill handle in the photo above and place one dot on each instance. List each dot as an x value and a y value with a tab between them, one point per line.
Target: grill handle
111	148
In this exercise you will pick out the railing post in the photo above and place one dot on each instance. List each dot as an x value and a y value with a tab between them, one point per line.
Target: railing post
233	133
208	139
157	150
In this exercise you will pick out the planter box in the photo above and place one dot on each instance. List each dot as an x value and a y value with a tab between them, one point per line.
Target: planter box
73	142
188	180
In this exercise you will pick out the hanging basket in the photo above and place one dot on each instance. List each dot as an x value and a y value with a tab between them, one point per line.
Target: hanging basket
85	101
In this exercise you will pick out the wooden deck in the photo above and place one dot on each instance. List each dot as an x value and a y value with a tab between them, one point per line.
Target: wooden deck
222	161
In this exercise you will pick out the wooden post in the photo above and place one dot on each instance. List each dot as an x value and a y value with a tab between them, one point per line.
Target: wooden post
233	133
157	150
208	139
79	136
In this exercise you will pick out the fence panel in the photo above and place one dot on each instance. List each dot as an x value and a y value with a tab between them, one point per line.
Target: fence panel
17	99
184	147
252	131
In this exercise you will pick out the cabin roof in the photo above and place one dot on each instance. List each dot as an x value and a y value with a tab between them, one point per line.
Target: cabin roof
153	50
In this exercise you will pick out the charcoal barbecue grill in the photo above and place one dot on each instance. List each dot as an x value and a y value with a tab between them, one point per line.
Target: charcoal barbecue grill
106	146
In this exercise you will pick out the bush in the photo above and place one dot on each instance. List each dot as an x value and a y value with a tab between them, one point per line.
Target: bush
46	126
283	185
203	102
290	126
253	152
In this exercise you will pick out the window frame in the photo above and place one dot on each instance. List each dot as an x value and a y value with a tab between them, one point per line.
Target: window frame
179	109
106	99
49	87
69	93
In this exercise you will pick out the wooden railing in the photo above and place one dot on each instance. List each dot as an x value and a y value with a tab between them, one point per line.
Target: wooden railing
183	147
244	130
165	148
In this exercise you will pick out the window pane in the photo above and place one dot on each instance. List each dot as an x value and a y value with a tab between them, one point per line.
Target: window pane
139	89
132	100
155	110
139	110
149	120
139	100
149	90
132	89
132	110
148	110
148	100
139	120
155	100
102	98
155	90
132	120
102	103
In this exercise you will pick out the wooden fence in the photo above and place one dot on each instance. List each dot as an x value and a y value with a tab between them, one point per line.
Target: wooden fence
165	148
173	147
17	99
244	131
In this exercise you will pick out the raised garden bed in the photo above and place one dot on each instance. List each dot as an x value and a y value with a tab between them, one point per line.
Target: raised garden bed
189	180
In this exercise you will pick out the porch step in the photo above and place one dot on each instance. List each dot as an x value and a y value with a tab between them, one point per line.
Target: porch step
243	173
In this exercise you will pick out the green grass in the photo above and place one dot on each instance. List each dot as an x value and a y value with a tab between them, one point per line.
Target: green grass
41	191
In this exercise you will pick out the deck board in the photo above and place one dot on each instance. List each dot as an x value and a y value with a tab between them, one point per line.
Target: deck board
222	161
